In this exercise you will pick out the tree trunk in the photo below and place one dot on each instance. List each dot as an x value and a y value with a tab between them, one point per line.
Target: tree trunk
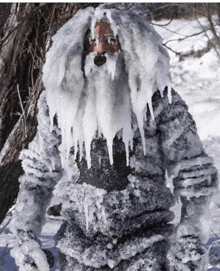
25	33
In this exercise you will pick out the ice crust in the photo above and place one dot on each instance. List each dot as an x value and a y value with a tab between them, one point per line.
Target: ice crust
189	255
147	66
115	212
100	254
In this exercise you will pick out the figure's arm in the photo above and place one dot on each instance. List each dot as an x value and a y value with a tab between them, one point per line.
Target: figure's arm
195	181
41	164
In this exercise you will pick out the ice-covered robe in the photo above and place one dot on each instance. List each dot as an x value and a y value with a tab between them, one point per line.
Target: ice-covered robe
124	222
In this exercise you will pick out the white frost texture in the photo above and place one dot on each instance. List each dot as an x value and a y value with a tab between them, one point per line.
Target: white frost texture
89	108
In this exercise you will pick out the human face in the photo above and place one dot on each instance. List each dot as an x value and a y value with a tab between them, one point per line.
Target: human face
104	40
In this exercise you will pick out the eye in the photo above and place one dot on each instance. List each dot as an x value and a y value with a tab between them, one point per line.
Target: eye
112	40
91	40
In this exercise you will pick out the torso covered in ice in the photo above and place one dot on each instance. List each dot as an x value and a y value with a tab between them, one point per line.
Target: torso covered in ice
118	198
99	218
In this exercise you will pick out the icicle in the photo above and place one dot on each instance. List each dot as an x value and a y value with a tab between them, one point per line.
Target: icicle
93	22
127	152
111	64
104	216
161	89
88	156
113	26
151	109
80	148
169	93
141	128
110	149
127	137
97	42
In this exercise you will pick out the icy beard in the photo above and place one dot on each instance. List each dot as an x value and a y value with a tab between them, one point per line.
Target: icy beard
105	106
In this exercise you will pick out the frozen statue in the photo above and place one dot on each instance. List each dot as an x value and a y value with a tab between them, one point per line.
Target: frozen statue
110	128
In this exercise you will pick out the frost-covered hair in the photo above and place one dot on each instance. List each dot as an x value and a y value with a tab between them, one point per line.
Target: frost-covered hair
146	63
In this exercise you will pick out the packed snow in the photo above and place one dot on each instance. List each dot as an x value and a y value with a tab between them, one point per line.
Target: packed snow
197	80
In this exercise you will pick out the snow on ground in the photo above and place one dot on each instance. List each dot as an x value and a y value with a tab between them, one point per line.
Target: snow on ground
198	82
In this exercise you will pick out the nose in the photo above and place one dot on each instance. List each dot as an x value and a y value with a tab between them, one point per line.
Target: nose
102	48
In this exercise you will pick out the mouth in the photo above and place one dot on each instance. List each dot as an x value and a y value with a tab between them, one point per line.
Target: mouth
99	60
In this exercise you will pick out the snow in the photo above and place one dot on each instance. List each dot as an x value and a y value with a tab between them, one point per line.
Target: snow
198	81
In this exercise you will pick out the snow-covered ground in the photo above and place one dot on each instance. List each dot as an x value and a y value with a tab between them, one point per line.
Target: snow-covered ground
198	82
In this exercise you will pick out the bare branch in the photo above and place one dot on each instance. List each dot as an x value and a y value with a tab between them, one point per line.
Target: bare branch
162	25
169	48
187	37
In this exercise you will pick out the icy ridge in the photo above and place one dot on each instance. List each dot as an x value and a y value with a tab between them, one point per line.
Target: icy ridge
99	255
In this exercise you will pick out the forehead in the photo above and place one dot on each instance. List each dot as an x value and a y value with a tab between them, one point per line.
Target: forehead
103	28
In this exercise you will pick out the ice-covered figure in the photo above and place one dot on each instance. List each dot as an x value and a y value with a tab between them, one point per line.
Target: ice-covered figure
109	130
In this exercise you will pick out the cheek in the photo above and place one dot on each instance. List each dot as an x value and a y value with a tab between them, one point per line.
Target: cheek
90	47
114	48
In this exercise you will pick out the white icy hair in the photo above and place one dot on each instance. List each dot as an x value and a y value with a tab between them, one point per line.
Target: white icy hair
146	63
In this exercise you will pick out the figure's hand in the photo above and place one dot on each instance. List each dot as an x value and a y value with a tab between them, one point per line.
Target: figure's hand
188	254
29	256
